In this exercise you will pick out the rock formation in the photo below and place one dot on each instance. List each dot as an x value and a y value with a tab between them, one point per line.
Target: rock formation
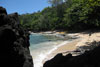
14	42
89	58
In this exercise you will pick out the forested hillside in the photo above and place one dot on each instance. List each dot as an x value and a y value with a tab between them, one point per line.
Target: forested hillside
67	15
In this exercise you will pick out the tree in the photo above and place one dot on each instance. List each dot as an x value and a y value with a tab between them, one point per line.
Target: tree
67	15
55	2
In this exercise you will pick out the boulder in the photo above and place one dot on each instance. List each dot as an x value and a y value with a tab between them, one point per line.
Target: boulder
14	42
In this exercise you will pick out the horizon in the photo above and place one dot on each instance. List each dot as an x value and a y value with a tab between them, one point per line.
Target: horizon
24	6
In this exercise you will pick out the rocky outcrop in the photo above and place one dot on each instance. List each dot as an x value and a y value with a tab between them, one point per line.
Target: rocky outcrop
90	58
14	42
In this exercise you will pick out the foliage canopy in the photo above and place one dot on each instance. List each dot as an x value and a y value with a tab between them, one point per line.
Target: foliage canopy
68	15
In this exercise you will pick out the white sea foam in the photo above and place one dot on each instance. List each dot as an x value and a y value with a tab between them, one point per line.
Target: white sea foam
40	51
57	46
40	54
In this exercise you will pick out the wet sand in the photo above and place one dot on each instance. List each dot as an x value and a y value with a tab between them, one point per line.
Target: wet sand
85	38
71	46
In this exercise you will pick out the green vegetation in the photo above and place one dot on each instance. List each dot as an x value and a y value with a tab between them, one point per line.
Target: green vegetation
68	15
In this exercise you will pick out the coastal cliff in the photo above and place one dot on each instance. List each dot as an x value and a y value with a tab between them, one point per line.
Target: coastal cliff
89	57
14	42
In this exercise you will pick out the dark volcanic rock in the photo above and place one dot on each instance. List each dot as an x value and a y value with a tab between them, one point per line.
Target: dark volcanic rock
87	59
14	42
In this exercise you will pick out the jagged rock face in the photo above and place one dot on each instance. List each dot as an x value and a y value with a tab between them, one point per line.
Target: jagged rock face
14	42
88	59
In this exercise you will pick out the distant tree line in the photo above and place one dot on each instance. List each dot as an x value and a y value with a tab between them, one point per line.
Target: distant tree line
64	15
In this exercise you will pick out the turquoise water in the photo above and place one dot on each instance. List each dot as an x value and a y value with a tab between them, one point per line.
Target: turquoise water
41	46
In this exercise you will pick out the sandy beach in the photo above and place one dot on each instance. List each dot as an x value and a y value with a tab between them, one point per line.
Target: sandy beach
84	40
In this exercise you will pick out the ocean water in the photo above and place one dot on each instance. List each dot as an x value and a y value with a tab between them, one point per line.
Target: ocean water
41	46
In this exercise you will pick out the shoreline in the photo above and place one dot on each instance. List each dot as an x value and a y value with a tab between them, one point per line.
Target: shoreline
78	39
83	40
50	52
61	48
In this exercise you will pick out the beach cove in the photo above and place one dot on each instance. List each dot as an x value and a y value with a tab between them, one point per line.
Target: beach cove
43	45
54	46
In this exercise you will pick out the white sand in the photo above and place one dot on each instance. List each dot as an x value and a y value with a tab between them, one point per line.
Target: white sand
84	39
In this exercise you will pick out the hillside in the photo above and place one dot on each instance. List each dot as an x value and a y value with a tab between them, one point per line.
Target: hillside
75	15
